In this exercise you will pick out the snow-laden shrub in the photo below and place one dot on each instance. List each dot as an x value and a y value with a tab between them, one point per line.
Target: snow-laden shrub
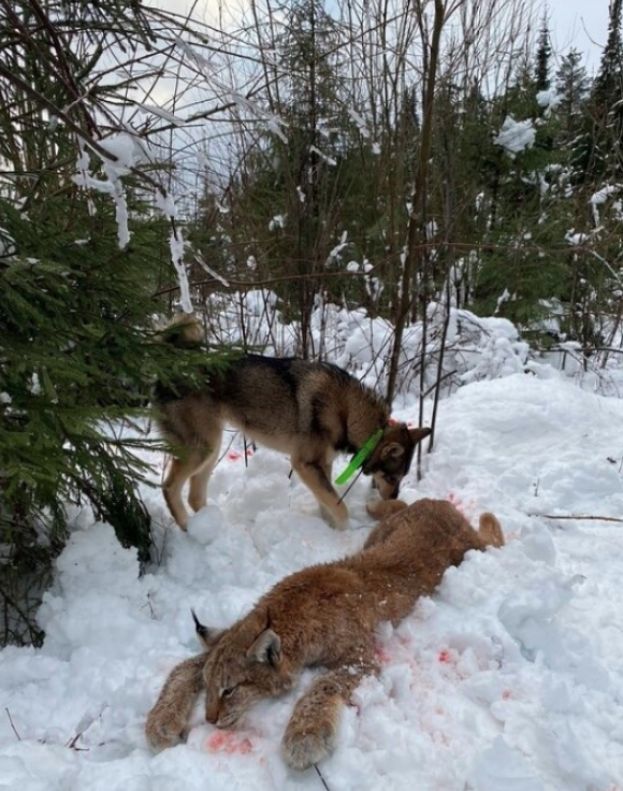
476	348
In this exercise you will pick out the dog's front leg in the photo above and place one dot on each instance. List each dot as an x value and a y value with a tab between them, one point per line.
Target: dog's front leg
313	476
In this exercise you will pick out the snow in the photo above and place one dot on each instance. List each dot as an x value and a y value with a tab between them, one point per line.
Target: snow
507	679
325	157
600	197
167	115
548	99
176	246
126	151
516	136
478	348
360	123
166	203
7	244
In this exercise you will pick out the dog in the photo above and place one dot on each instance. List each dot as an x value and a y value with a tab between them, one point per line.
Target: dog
309	410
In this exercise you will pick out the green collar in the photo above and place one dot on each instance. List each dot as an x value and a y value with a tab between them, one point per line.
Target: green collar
360	457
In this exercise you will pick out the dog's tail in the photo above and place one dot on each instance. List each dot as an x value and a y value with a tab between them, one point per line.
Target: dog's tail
184	331
490	530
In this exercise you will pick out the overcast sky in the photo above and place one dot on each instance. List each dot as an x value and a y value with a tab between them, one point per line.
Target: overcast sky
579	23
575	23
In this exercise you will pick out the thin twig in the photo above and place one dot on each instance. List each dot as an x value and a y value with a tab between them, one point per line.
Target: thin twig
353	482
324	782
8	713
577	516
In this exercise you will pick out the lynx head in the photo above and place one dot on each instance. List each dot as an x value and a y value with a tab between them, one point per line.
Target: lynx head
244	665
391	459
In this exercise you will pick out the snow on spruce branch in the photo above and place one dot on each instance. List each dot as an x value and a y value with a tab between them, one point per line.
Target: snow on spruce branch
166	204
124	152
515	136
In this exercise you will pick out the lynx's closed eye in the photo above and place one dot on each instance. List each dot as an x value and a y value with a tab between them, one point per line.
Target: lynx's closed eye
227	692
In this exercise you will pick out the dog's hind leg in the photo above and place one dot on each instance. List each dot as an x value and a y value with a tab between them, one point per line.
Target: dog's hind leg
198	494
180	470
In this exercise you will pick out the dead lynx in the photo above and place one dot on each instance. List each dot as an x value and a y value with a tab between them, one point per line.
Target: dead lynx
321	616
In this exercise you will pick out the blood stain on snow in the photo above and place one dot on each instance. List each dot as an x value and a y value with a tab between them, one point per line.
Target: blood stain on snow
228	742
444	656
236	455
456	502
467	509
382	655
507	694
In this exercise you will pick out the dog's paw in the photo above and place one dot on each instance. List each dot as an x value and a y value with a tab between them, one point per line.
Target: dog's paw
163	729
304	746
336	517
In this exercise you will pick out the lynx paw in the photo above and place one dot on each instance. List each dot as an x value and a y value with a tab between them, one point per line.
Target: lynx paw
381	509
164	730
305	746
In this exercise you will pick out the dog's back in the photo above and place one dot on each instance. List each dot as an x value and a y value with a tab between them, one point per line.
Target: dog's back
273	400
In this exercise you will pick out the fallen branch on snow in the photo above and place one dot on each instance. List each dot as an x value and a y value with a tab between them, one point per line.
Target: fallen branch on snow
574	516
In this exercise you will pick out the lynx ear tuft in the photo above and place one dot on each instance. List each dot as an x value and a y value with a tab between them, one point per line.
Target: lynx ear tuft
266	648
205	635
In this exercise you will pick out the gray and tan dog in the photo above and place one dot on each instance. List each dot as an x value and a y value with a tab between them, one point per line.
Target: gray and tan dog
308	410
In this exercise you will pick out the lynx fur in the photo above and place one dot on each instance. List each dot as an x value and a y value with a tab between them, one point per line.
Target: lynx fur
324	616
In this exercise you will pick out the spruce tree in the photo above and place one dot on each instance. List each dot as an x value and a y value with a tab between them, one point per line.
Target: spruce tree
601	152
543	55
78	349
572	88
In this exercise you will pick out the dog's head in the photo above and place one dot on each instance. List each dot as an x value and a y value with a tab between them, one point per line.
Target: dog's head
391	459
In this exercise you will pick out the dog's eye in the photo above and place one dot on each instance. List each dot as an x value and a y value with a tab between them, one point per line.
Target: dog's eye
228	692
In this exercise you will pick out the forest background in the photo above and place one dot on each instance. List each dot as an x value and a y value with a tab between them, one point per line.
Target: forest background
403	159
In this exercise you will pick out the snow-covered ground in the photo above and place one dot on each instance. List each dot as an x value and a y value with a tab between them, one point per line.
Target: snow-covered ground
509	678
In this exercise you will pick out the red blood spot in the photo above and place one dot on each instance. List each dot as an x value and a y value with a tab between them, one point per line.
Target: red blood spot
507	694
233	455
382	655
456	502
444	656
392	421
249	452
228	742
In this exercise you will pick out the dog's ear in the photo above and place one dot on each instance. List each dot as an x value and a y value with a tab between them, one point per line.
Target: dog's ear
418	434
266	648
393	450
